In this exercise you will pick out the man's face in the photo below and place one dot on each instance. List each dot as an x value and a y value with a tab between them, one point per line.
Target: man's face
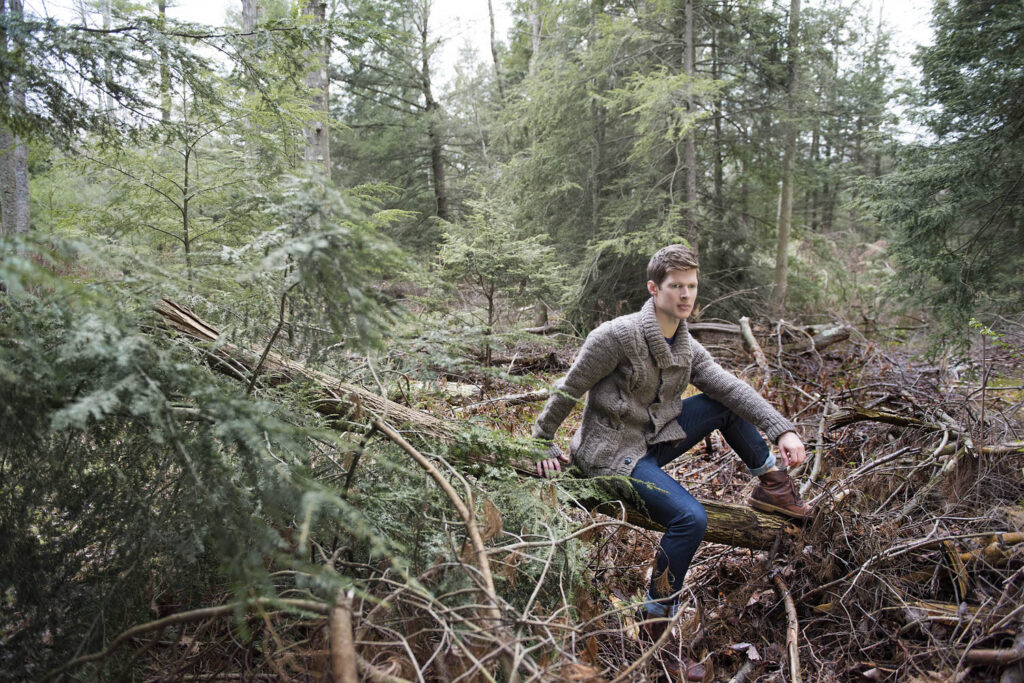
675	297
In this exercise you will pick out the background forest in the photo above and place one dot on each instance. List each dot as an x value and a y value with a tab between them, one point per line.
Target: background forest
266	289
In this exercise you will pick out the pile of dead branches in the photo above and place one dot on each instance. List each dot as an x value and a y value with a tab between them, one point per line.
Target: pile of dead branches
912	569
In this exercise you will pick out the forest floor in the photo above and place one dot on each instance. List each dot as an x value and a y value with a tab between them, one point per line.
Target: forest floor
912	568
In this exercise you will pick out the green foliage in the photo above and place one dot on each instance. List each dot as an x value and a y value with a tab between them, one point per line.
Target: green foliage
133	480
326	246
957	203
125	466
522	271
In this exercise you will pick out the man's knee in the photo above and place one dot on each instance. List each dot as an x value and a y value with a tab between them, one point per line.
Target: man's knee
692	517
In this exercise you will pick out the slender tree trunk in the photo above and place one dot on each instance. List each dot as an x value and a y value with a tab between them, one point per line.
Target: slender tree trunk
719	158
433	113
689	57
250	18
815	158
788	164
250	15
318	149
165	70
186	196
494	53
106	102
14	189
536	26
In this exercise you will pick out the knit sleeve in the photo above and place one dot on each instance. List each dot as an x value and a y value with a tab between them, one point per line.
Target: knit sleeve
597	359
735	394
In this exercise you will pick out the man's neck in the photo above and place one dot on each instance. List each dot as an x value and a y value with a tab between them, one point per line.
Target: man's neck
667	324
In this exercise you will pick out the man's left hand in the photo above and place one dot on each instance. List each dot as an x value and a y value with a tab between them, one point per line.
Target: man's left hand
791	450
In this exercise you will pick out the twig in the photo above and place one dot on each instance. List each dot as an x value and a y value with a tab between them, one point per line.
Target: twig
792	630
745	670
819	453
273	338
184	618
492	609
626	673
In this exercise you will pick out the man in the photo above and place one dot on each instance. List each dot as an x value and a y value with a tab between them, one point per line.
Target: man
633	370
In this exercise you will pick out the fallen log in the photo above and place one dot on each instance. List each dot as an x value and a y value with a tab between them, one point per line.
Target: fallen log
751	344
344	404
518	363
335	399
849	415
721	328
509	400
819	341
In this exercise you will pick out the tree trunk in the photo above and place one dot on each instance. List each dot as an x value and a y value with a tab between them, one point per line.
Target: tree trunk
494	53
318	148
106	103
689	57
536	26
14	189
719	158
788	165
433	113
250	15
346	406
165	69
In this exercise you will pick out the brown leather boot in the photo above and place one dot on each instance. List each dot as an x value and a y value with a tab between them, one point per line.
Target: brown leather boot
651	629
777	493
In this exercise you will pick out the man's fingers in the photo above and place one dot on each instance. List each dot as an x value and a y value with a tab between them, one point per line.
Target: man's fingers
544	467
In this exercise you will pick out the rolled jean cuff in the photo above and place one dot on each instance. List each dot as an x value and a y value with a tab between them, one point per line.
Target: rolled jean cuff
768	464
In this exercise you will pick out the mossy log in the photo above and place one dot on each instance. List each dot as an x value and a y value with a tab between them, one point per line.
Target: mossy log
343	404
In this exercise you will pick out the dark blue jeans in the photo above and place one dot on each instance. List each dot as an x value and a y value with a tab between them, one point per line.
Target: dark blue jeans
667	502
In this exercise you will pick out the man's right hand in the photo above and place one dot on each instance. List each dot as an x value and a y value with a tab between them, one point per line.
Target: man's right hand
552	464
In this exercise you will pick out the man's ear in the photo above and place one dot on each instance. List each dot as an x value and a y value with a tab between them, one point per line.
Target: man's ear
651	287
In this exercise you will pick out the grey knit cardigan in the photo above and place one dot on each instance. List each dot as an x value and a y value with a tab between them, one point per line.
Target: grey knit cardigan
634	383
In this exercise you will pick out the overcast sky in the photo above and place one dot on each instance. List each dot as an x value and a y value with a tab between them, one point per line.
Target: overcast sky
465	22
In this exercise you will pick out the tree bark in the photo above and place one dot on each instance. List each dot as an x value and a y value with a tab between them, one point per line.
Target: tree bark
690	160
14	187
318	147
165	68
250	14
788	164
433	113
344	404
536	26
494	53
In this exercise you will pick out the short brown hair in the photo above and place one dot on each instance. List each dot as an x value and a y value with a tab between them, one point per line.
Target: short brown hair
672	257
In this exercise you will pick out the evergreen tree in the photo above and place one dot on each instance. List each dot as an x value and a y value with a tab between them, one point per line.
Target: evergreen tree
957	201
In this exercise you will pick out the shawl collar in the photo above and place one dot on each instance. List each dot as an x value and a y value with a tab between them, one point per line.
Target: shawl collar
664	355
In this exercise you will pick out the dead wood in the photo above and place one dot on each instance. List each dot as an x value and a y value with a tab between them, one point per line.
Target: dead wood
792	630
751	344
849	415
546	328
524	362
188	617
343	649
722	328
819	341
510	400
341	402
335	399
995	657
736	525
